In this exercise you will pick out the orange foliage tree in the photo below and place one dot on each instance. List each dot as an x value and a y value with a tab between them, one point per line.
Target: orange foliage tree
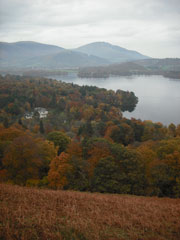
27	158
58	169
99	150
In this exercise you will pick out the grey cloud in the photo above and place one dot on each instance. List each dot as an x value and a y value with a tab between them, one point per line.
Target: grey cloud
137	24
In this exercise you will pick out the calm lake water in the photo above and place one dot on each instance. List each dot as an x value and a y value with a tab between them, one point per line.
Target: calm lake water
159	97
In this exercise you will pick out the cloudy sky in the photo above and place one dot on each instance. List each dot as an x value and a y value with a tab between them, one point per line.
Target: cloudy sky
151	27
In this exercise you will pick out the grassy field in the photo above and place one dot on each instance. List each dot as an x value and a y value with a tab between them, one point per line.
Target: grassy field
27	213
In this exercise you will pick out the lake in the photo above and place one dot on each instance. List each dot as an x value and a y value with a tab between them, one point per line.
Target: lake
159	97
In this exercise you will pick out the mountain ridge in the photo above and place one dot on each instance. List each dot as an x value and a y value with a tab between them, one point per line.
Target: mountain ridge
32	54
113	53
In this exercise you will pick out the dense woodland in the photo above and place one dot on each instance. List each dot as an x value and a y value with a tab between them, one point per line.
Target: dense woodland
84	143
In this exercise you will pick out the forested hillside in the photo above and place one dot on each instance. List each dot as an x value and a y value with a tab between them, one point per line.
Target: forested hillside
83	142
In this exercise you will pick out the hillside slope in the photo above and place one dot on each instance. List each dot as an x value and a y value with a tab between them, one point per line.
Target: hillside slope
27	214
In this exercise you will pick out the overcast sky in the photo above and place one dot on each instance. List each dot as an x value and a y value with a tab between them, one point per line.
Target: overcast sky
151	27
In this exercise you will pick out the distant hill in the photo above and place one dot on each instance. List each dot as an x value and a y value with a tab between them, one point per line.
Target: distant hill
29	54
121	69
98	59
166	64
127	66
65	58
33	54
168	67
13	54
112	53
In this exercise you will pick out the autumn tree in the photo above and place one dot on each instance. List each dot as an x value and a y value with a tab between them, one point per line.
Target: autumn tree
78	176
97	150
86	129
26	157
106	177
121	133
60	140
131	170
178	130
9	134
59	168
166	171
172	130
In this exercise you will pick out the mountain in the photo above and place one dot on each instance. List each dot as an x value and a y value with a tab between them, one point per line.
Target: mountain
66	58
11	53
33	54
112	53
29	54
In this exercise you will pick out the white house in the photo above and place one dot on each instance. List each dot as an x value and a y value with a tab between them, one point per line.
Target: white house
42	112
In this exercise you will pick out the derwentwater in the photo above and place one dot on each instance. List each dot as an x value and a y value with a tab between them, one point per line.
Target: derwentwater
159	97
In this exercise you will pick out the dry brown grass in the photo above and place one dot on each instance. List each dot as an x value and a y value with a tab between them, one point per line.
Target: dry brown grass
31	214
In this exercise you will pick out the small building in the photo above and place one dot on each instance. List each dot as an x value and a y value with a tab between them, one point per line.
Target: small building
42	112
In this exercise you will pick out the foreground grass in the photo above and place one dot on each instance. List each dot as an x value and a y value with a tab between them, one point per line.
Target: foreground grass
31	214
